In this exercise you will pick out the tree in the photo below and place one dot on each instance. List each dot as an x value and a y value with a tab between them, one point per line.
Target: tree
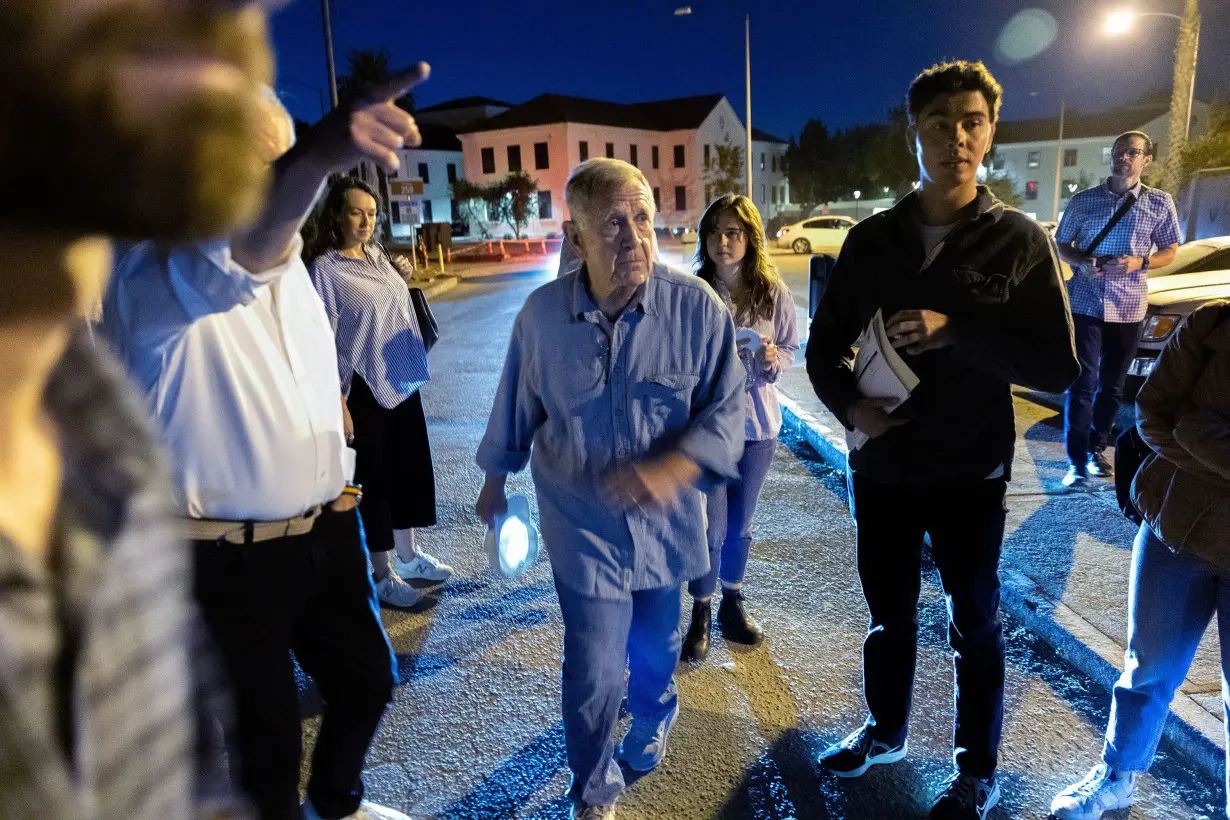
1212	150
1004	189
888	161
810	166
512	201
471	199
725	174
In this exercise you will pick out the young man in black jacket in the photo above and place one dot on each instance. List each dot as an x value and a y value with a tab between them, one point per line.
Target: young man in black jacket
974	301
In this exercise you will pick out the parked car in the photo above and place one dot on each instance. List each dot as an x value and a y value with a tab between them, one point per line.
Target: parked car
826	232
1199	273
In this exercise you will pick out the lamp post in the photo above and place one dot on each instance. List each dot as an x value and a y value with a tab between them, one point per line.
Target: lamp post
328	29
1184	89
857	196
747	80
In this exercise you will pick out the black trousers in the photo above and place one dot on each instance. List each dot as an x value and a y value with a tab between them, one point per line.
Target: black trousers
310	594
393	464
1105	351
966	524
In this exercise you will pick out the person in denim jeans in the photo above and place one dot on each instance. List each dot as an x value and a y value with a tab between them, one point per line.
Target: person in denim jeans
623	389
1181	560
731	256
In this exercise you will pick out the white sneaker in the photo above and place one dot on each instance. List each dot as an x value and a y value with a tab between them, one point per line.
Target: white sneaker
394	591
424	567
1102	790
1076	481
367	811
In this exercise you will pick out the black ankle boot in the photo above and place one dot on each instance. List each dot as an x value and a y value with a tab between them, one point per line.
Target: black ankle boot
696	643
732	618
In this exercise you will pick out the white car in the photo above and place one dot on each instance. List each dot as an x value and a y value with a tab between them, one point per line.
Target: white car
824	232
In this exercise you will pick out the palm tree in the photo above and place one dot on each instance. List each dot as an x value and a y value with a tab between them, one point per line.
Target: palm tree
368	67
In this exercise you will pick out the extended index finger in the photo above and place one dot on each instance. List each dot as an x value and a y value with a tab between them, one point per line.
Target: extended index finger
398	83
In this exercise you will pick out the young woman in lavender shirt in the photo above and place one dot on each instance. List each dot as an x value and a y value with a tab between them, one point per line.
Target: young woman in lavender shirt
733	258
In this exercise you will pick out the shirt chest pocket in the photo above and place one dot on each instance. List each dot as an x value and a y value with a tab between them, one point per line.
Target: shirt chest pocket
982	288
662	404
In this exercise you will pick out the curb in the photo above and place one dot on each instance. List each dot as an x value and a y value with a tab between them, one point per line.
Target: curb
441	285
1190	727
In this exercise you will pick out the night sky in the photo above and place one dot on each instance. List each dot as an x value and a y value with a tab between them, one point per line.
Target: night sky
845	62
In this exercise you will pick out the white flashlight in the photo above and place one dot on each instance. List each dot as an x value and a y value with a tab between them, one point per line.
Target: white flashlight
512	544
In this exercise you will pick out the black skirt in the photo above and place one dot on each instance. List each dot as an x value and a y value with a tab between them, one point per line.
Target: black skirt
393	465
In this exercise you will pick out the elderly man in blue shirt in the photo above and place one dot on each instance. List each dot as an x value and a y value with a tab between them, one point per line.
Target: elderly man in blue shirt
623	383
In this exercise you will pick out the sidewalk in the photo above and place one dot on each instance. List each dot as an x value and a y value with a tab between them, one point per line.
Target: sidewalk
1065	561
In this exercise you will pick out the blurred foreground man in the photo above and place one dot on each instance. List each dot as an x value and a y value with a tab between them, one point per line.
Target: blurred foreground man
973	301
128	119
230	344
623	384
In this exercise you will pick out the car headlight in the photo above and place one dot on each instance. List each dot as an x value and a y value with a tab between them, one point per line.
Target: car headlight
1159	327
782	232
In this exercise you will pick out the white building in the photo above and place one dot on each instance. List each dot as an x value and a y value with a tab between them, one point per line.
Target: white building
672	141
1027	151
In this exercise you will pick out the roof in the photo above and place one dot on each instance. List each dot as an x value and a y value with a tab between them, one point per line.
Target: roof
466	102
1078	125
547	109
765	136
438	137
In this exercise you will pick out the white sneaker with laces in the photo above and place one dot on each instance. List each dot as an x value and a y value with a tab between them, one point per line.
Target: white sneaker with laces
366	811
424	567
1102	790
394	591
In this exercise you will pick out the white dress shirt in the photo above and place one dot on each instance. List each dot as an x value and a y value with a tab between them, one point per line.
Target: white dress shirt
240	373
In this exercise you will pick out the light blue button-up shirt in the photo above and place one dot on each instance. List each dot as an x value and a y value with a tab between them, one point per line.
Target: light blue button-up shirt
587	396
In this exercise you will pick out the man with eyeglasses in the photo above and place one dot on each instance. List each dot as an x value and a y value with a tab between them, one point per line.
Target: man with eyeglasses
1111	235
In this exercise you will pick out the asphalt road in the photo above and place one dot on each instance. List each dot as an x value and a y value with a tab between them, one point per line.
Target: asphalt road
475	730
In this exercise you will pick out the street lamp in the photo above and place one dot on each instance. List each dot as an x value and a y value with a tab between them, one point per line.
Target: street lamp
857	196
1184	91
683	11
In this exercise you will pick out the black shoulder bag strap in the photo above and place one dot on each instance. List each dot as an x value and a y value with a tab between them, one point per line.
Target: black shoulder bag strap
1128	202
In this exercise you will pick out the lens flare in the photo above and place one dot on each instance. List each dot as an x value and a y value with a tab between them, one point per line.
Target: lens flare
1025	36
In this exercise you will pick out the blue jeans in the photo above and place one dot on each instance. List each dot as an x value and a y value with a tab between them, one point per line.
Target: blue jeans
601	637
730	509
1105	351
1171	599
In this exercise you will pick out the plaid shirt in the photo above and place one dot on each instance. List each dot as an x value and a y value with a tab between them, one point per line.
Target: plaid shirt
97	703
1150	223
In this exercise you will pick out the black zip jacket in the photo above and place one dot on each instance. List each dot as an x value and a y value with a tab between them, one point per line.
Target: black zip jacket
996	276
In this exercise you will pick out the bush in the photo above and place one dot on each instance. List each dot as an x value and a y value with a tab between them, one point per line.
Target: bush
507	236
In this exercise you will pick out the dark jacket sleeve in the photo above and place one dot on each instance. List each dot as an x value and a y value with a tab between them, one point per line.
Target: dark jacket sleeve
1166	396
1028	340
834	328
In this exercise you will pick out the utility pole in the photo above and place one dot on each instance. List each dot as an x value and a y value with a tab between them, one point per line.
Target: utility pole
747	58
1182	94
1059	160
324	9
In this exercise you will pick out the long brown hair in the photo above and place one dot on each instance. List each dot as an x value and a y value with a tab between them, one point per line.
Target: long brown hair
755	295
328	223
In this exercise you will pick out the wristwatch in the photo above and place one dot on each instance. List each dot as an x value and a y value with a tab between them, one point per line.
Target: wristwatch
1144	264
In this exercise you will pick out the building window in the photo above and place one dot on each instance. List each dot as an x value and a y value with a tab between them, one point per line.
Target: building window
632	156
1069	188
1033	159
544	204
706	154
514	158
708	193
1031	190
762	161
679	156
451	168
1106	154
427	210
584	146
653	156
541	160
396	211
610	150
681	198
488	160
657	199
423	175
773	162
763	196
997	164
773	194
1069	157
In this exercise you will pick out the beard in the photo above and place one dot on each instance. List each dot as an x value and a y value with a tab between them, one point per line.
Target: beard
85	155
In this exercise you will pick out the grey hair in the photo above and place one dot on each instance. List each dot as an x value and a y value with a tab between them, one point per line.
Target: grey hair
597	180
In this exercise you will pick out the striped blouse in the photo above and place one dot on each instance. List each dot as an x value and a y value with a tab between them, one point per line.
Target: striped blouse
378	335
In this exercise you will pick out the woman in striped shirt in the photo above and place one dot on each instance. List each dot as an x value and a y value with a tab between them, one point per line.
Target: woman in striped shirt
383	365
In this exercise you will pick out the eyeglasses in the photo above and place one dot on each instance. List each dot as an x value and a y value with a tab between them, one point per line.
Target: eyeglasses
1130	153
